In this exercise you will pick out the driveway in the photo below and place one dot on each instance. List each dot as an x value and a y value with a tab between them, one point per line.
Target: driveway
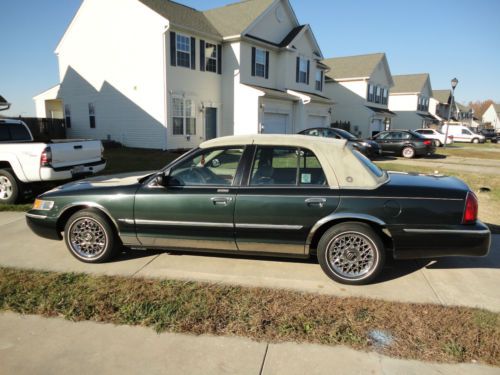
451	281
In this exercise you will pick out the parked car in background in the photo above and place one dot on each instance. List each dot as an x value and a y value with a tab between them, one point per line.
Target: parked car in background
367	147
24	162
462	133
288	195
436	135
490	135
406	143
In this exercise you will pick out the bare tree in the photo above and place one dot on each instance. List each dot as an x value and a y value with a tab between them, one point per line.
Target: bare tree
480	107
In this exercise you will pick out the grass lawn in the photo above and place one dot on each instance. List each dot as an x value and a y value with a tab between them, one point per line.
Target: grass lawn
417	331
468	150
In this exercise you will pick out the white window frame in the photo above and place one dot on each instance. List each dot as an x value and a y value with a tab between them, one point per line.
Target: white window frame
371	92
302	73
187	105
180	50
211	58
262	53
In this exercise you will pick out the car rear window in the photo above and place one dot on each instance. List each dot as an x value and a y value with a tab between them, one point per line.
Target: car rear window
367	162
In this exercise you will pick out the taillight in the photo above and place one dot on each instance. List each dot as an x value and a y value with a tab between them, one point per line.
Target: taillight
427	142
46	157
471	206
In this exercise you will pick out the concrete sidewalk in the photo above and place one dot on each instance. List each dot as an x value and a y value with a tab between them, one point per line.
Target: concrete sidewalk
452	281
35	345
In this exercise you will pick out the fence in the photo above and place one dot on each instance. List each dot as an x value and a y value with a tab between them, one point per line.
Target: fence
45	129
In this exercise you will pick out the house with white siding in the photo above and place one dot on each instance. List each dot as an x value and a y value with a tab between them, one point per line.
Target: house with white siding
492	116
439	104
410	99
167	76
359	86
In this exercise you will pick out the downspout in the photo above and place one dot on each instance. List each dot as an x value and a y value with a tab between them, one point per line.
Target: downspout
165	91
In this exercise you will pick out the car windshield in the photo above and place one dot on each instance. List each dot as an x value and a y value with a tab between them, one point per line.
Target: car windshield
345	134
415	134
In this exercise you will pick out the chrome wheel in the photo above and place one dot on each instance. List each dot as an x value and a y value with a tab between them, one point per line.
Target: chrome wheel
5	188
351	255
87	238
408	152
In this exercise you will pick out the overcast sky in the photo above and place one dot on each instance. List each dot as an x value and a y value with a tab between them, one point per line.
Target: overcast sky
446	38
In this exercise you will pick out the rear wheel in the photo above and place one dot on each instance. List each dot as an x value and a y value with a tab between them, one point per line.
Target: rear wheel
9	187
351	253
408	152
437	143
90	237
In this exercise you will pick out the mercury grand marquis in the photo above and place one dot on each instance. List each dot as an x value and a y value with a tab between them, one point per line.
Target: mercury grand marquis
287	195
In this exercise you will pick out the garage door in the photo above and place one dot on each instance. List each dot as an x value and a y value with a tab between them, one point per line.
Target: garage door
274	123
316	121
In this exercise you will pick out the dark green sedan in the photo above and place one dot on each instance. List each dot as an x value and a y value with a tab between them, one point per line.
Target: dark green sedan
289	195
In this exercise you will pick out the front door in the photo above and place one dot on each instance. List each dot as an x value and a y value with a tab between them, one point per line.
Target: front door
195	209
210	123
281	198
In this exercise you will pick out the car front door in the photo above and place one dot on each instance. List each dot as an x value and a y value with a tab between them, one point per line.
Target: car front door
282	196
194	208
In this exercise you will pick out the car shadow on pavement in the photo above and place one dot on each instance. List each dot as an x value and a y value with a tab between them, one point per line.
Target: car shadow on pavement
435	156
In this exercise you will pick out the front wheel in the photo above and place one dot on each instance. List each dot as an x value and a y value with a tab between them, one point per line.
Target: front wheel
408	152
9	187
475	140
351	253
90	237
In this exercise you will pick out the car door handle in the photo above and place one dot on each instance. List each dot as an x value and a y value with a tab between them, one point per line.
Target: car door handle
221	201
315	202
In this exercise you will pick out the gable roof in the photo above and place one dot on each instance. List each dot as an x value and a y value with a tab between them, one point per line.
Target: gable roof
409	83
353	66
182	16
496	107
442	96
233	19
461	107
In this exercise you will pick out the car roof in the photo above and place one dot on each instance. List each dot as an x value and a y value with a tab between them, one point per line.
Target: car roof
342	167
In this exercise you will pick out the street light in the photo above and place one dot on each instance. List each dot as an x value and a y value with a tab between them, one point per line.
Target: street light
454	83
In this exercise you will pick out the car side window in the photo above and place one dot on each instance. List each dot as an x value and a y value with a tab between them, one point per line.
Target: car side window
405	136
286	166
4	133
19	132
313	132
383	136
215	166
465	131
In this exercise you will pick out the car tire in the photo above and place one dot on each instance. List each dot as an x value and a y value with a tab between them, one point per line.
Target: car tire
334	244
9	186
90	237
408	152
437	143
475	140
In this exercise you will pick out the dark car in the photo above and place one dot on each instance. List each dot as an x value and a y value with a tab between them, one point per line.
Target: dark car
367	147
406	143
490	135
288	195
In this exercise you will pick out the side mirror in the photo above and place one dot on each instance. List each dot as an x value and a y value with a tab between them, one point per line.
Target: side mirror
161	179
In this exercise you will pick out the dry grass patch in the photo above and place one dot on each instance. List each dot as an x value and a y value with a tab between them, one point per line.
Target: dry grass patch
417	331
480	151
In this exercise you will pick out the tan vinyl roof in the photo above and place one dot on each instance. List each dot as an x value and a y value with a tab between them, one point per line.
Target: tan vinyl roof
442	96
341	167
233	19
409	83
353	66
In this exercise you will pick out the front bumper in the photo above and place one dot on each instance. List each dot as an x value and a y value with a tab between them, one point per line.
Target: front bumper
434	242
43	226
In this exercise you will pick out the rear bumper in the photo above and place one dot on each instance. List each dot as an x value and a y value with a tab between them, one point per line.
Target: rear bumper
43	226
433	242
67	173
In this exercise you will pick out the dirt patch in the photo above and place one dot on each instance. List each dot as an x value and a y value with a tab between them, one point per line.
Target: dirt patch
416	331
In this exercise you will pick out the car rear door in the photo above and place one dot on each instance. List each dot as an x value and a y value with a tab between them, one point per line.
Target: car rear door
195	208
282	196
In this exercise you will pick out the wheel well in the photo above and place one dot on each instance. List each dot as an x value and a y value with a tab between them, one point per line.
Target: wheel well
5	164
386	239
63	219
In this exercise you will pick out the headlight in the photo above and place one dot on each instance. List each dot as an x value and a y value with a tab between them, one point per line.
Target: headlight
43	205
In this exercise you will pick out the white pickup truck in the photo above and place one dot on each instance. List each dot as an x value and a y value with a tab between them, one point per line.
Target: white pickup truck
24	162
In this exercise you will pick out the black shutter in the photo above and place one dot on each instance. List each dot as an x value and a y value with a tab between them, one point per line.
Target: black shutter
253	61
193	53
173	49
219	58
267	64
202	55
307	76
297	69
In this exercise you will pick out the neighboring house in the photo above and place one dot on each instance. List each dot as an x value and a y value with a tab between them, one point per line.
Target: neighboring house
492	116
410	100
463	114
360	86
48	104
439	104
158	74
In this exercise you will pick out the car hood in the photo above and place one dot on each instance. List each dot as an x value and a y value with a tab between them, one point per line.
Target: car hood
102	182
425	185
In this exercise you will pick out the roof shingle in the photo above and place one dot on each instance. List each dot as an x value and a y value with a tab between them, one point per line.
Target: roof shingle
409	83
353	66
442	96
